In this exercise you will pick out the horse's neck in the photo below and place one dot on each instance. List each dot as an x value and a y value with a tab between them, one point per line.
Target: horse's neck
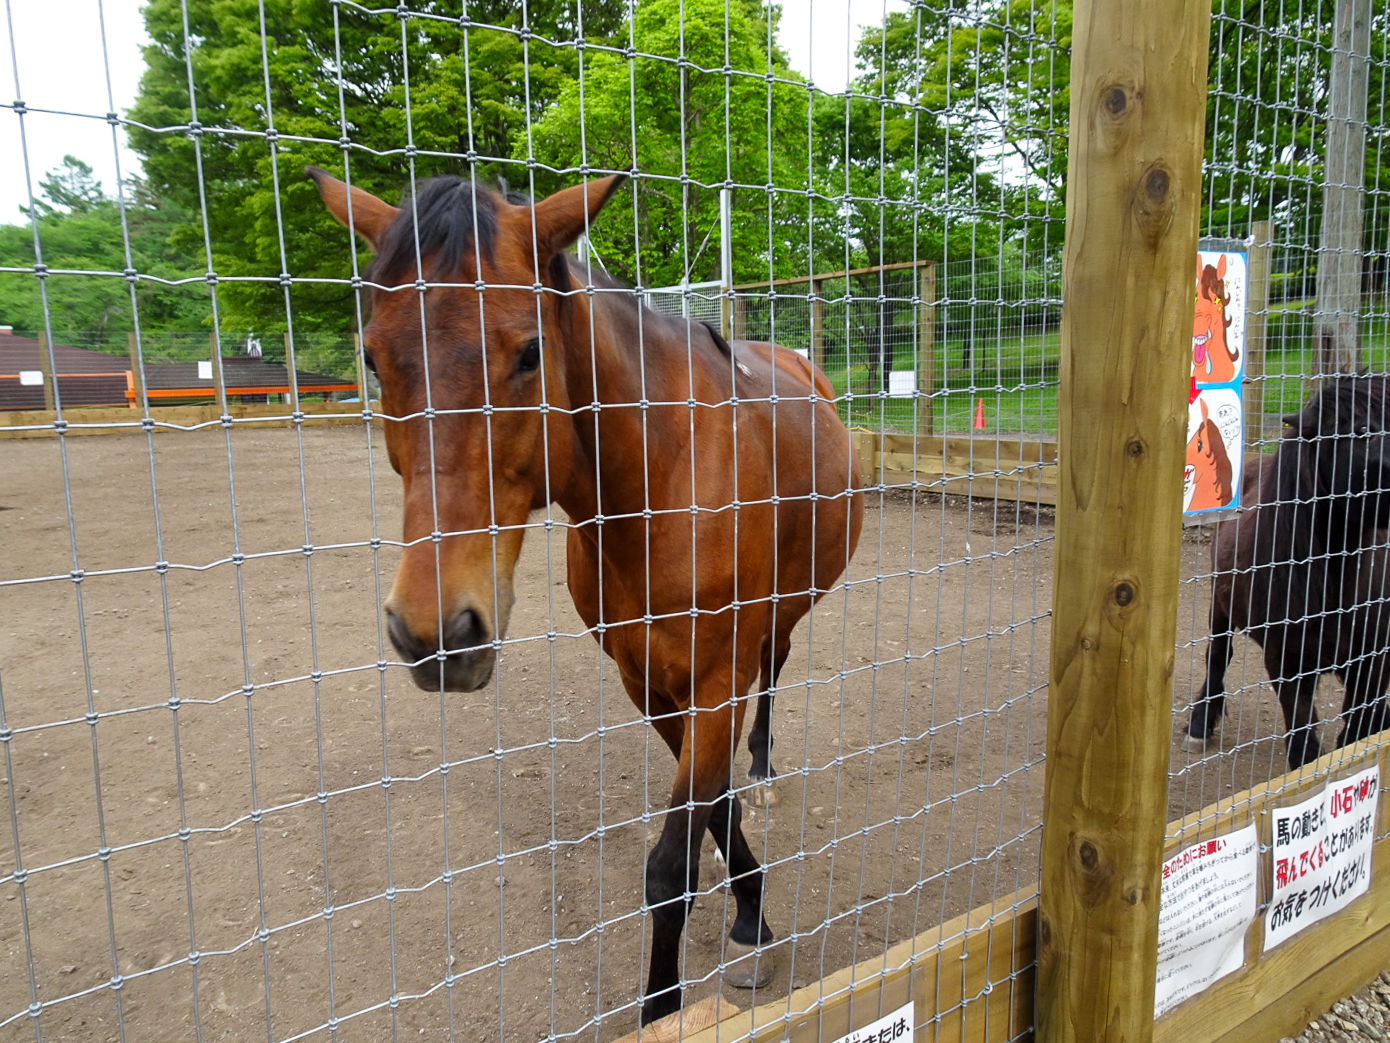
604	367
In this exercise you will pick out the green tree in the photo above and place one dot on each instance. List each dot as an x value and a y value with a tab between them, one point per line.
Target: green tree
81	230
325	83
697	129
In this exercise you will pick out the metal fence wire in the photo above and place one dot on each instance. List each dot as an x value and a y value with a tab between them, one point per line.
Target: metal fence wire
298	747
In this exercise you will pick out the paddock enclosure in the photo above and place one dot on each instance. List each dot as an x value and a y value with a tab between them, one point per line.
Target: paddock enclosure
229	811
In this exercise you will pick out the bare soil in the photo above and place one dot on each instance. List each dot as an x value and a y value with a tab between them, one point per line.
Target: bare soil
204	757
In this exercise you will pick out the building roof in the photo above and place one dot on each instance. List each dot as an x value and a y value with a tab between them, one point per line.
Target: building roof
93	378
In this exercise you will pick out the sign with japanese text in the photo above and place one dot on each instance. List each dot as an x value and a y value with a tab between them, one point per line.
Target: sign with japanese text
1321	854
1207	904
891	1028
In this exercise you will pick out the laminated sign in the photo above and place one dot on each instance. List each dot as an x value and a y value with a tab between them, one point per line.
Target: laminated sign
1206	905
1215	415
1321	854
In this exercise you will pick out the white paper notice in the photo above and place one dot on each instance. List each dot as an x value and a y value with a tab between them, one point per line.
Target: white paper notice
891	1028
1207	904
902	383
31	378
1321	854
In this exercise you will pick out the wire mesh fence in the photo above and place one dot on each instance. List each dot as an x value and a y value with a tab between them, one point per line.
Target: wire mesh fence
294	746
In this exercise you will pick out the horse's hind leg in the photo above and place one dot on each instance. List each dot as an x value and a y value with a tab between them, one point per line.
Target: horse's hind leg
1295	687
760	735
746	882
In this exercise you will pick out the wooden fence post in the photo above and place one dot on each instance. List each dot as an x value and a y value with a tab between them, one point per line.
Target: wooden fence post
137	371
1256	322
1337	333
361	370
1138	101
817	325
218	385
291	371
926	348
46	368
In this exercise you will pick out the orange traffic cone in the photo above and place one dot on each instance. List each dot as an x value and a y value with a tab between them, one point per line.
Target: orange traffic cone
980	416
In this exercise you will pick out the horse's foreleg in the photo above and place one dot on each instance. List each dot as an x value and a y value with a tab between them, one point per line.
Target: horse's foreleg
673	866
1210	703
746	882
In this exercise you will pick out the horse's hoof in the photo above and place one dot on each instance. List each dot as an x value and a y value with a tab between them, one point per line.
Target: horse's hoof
1193	744
763	792
747	967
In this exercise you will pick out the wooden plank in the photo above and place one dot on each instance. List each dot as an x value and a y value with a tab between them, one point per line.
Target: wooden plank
976	968
1138	103
1030	450
685	1022
1278	1015
817	326
827	275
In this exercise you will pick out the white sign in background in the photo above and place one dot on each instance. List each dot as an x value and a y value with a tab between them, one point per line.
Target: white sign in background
902	383
1207	904
1321	854
895	1027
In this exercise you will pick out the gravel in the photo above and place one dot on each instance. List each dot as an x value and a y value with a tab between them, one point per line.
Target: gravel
1365	1016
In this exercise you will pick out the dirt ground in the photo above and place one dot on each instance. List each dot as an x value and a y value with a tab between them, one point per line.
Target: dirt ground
206	759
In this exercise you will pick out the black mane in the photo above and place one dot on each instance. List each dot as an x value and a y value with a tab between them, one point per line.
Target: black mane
451	214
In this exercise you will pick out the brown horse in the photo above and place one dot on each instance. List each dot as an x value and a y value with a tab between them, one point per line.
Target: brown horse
712	490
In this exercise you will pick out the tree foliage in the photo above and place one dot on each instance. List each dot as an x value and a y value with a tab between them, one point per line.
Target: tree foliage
80	228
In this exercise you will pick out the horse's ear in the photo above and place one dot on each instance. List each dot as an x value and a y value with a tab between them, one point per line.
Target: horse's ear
1221	267
370	216
562	218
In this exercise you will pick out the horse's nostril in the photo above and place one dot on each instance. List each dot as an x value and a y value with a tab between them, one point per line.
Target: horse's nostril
465	630
411	648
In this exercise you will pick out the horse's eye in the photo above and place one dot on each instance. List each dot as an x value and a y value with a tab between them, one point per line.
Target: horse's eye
530	357
1362	429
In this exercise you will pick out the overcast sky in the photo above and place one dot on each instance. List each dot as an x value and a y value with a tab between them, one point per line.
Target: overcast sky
77	73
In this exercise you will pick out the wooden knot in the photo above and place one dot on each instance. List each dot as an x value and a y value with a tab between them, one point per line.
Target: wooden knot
1154	201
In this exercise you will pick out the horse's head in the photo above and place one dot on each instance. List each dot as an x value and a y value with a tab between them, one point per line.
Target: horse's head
464	369
1345	426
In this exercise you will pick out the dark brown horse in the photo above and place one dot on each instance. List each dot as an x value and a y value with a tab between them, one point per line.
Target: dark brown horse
1304	569
711	488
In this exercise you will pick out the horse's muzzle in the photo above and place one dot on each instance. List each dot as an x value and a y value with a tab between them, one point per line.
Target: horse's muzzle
462	662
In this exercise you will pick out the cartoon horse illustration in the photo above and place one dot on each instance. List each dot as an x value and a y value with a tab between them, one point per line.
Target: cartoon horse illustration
1213	361
1208	467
